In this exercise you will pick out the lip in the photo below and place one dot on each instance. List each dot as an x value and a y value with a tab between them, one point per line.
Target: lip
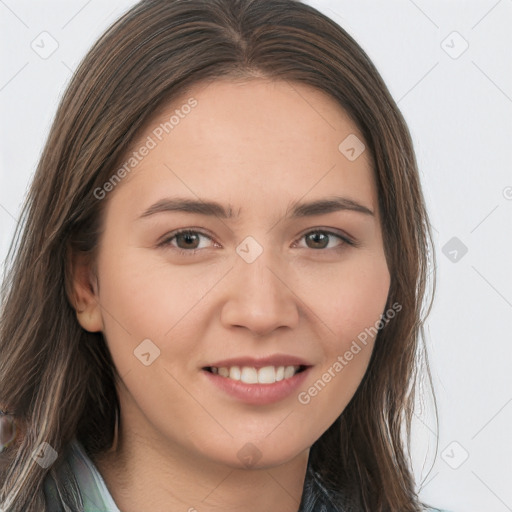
257	394
275	360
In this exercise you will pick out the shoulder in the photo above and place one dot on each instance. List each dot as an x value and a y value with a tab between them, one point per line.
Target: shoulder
61	488
77	485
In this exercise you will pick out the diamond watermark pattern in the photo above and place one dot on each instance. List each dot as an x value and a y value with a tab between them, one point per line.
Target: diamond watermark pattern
454	249
351	147
249	249
454	45
455	455
147	352
44	455
249	454
45	45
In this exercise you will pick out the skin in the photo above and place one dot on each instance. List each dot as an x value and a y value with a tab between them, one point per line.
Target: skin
257	146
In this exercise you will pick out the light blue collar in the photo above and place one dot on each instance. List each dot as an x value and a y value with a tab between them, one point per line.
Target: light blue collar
95	494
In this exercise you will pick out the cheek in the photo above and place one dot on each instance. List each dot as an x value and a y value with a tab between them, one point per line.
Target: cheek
349	299
133	307
147	298
362	300
349	307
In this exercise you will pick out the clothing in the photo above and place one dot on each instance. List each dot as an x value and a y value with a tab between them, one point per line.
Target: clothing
79	472
83	485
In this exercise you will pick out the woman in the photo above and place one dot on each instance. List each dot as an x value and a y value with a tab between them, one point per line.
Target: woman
272	366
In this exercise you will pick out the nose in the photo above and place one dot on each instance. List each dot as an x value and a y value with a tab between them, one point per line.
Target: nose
260	296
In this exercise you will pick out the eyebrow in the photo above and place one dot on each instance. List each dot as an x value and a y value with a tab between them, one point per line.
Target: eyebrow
296	209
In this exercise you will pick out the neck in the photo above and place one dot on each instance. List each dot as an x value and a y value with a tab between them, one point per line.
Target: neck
144	474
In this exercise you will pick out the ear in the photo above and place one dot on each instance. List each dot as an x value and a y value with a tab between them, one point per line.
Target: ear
83	292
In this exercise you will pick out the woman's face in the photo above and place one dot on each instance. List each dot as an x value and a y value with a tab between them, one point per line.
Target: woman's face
274	282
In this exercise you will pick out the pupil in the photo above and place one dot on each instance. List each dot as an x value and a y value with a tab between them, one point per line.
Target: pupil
188	237
315	236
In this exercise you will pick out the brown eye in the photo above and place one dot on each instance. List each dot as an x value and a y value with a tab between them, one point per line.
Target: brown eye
190	240
187	241
319	239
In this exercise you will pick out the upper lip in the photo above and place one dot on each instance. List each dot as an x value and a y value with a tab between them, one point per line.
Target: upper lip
274	360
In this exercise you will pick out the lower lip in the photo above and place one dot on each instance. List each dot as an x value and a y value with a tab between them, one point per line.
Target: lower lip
258	394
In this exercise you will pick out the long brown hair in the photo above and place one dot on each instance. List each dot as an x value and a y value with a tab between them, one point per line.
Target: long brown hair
57	379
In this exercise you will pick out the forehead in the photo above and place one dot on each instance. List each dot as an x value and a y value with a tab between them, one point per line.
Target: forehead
253	142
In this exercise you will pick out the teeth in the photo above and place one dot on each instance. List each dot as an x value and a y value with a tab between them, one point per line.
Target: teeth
234	373
250	375
289	371
267	375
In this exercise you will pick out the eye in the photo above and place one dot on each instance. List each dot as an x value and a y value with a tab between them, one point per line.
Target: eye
320	239
188	240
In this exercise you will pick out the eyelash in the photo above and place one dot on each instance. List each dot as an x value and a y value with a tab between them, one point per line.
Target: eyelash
190	252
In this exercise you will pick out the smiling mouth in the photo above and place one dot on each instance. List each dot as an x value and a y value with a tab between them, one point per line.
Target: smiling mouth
252	375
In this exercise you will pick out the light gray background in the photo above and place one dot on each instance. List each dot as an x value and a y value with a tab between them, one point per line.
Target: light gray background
458	105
